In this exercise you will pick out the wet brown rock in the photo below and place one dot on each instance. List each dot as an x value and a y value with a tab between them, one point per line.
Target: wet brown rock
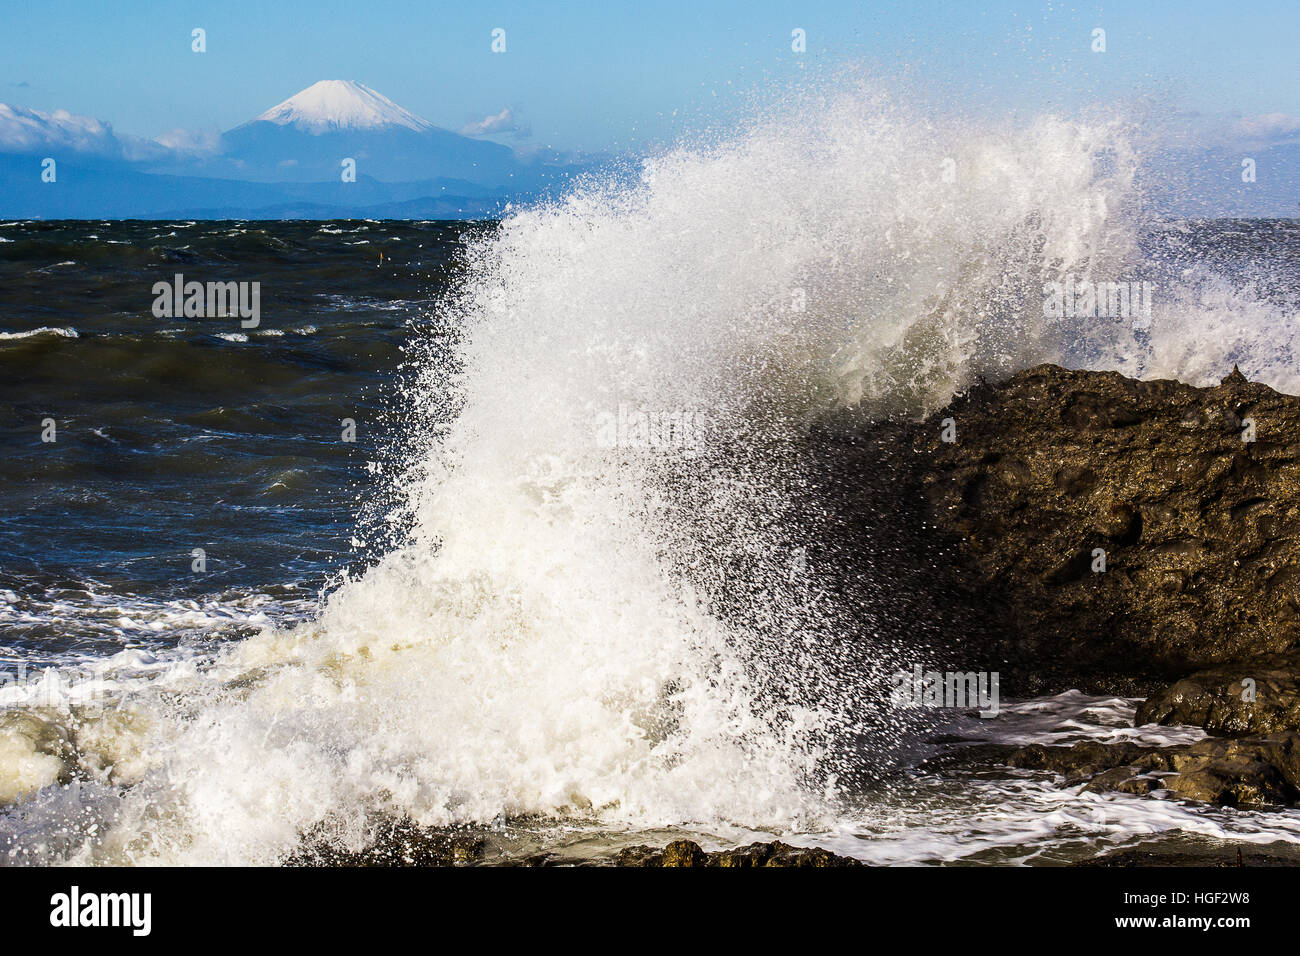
1239	772
1228	772
1260	696
1080	762
682	853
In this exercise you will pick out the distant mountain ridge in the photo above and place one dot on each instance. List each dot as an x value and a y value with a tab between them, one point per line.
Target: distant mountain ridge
287	162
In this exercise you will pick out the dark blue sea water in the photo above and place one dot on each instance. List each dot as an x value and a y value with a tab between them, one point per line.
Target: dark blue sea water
176	434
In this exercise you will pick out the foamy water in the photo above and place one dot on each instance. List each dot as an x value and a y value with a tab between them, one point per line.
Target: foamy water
543	644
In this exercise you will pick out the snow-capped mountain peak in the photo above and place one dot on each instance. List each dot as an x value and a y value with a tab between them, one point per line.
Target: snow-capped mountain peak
332	105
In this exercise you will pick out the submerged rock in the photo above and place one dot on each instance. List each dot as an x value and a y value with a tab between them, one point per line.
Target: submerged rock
1079	762
687	853
1218	855
1228	772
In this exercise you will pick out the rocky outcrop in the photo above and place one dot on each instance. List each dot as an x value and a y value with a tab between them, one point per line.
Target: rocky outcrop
1110	535
1116	534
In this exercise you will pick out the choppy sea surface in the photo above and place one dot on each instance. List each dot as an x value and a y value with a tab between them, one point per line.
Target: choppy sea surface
396	551
172	435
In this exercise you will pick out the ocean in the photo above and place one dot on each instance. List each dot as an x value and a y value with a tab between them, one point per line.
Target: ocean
194	433
456	532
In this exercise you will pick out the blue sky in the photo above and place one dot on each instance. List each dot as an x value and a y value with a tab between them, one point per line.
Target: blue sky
617	75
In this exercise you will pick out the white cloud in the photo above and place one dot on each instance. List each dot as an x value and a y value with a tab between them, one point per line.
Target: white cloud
25	130
1230	131
191	142
1268	127
503	122
178	144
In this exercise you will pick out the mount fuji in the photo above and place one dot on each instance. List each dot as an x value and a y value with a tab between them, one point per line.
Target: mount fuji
308	136
333	105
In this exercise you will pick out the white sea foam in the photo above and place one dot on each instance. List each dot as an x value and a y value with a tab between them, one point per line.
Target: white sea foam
1030	817
66	333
